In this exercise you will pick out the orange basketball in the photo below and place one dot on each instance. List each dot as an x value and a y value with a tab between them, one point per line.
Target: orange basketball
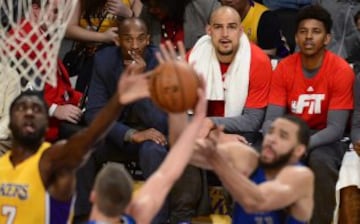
173	86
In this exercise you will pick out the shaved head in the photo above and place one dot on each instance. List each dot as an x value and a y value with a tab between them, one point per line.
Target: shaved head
224	10
225	31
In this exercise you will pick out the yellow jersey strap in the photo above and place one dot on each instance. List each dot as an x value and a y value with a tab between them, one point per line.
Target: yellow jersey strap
251	21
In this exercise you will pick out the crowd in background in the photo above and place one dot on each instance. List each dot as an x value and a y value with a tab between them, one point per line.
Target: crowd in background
247	71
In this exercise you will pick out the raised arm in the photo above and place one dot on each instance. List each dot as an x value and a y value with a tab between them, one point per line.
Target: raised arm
238	155
68	155
151	196
290	186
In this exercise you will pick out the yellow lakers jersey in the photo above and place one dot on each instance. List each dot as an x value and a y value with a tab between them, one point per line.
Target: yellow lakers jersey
251	21
109	21
23	197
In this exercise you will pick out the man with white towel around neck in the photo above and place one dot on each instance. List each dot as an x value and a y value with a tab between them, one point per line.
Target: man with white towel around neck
238	76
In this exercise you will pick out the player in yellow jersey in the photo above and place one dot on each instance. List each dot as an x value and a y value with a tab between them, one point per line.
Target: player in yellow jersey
37	179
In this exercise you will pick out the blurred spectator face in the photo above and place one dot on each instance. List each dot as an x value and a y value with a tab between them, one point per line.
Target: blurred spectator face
157	9
51	12
225	31
311	37
133	39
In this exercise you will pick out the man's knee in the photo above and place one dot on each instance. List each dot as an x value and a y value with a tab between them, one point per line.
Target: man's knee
151	156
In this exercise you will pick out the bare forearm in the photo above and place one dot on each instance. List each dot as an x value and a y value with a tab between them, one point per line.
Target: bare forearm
81	143
177	123
241	188
76	32
180	154
137	7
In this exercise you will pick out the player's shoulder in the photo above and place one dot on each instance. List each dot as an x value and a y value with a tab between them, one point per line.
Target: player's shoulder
298	171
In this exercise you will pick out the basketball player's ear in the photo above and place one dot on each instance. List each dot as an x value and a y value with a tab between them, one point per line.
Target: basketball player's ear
300	150
92	197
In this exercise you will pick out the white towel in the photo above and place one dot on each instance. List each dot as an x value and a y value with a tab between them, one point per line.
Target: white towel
234	90
349	175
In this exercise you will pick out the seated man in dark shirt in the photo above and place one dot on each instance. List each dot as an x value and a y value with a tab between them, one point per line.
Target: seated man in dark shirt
141	129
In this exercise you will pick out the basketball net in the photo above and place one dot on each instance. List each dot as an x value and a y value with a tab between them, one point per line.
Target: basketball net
30	38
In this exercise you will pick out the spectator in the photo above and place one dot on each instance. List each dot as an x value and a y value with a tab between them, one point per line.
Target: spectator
345	38
236	64
63	101
141	128
316	85
260	25
347	187
238	75
286	4
10	88
64	105
93	23
180	20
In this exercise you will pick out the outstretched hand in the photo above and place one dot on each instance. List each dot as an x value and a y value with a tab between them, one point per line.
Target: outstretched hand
168	53
133	86
207	146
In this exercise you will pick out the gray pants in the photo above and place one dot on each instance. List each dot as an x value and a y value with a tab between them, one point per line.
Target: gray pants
189	197
325	162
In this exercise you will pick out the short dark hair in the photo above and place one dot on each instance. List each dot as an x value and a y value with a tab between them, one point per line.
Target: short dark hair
123	22
113	187
304	130
30	93
315	12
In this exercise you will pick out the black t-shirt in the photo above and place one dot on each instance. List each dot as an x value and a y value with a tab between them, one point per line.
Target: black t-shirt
269	33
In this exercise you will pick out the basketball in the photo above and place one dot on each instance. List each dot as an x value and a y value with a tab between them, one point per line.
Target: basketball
173	86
